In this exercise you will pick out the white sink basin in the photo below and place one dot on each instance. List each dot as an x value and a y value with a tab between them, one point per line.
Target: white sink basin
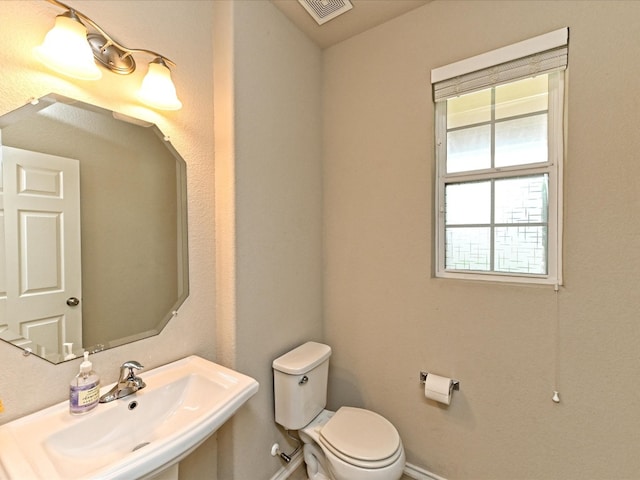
183	403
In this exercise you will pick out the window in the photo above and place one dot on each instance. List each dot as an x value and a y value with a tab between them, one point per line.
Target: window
499	151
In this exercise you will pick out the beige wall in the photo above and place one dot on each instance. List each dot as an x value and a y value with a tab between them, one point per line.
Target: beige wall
266	203
268	213
387	318
29	383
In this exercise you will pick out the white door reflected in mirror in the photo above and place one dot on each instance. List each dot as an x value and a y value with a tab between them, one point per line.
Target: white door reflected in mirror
42	250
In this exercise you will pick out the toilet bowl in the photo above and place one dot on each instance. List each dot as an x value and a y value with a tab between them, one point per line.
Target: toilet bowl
349	444
352	444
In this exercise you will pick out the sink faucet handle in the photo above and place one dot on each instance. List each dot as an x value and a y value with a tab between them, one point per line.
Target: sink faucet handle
126	370
131	364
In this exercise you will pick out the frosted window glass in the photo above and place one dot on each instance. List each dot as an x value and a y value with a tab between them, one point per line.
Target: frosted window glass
522	199
469	109
468	203
468	249
521	141
523	97
521	249
469	149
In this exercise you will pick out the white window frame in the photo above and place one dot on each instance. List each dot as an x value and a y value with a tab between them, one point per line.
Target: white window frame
553	167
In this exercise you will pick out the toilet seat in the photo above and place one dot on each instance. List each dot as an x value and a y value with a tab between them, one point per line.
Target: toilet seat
361	438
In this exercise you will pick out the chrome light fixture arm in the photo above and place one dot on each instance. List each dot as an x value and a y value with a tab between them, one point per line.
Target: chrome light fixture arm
76	44
107	51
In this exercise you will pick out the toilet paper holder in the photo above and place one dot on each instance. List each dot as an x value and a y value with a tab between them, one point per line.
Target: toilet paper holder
455	384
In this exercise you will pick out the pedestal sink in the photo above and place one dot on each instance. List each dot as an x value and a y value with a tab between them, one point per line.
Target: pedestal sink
183	403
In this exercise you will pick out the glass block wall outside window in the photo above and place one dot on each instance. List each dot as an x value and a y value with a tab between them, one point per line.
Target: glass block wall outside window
497	181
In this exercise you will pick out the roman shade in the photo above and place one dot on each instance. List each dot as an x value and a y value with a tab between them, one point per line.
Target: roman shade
543	54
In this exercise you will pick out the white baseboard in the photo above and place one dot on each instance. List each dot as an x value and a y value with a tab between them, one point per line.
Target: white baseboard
413	471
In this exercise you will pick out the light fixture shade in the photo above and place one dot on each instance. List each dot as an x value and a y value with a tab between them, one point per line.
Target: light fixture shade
157	89
65	49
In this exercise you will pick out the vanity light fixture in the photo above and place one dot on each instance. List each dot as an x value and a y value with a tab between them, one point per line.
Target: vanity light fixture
76	45
157	88
65	49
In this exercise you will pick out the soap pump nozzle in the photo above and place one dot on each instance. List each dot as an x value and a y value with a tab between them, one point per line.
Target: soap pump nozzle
86	366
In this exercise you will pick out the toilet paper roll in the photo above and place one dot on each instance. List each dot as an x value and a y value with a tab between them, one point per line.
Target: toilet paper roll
438	388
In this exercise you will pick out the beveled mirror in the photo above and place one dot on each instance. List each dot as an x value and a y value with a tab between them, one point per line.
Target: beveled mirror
94	229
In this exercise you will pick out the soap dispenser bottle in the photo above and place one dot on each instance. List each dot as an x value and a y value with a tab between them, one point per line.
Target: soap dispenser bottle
84	391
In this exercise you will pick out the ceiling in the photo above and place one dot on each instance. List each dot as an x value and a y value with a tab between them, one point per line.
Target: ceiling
364	15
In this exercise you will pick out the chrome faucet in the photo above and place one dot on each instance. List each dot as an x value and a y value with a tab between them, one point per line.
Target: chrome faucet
127	384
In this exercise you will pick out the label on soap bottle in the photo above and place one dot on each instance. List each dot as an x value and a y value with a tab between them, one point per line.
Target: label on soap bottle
89	396
83	398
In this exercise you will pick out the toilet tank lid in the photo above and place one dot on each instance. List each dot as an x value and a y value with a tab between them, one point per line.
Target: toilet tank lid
303	358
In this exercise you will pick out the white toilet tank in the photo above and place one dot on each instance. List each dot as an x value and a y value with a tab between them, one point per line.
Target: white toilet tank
300	384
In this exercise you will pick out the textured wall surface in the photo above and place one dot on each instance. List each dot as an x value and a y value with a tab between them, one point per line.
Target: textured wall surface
268	213
387	318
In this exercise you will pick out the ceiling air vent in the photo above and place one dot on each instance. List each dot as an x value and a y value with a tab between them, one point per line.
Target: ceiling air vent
324	10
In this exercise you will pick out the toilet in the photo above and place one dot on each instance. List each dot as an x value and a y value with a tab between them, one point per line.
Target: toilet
349	444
